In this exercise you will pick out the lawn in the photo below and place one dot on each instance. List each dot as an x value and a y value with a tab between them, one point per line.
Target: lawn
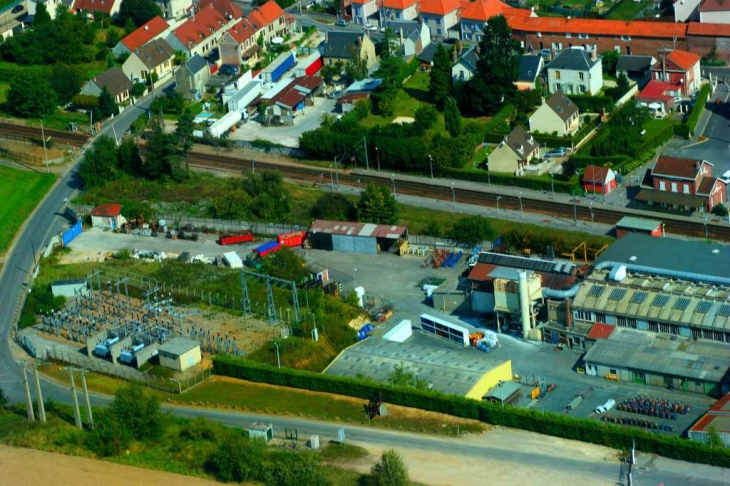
20	192
627	10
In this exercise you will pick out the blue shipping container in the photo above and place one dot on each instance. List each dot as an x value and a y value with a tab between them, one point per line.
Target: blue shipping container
285	65
266	246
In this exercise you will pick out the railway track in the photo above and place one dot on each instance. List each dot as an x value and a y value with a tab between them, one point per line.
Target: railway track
13	131
425	188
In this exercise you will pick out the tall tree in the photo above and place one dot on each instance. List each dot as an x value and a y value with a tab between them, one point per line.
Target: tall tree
138	411
497	70
609	59
128	157
334	206
66	82
473	230
390	470
440	76
107	105
100	163
377	205
139	11
452	117
31	98
184	134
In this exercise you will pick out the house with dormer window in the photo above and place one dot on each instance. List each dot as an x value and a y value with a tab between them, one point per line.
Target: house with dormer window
556	114
680	183
238	45
200	33
514	153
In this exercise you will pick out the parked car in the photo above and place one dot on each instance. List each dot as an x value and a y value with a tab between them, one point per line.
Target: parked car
341	23
370	27
229	70
556	153
17	9
545	52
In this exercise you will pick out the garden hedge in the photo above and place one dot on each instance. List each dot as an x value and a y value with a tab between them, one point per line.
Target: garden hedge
592	104
556	425
694	116
498	178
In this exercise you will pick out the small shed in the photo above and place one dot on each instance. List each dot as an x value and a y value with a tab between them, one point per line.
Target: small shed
261	430
599	180
630	224
180	353
355	237
69	288
233	260
107	215
508	392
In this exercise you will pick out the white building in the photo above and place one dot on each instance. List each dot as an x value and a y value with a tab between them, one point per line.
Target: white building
576	71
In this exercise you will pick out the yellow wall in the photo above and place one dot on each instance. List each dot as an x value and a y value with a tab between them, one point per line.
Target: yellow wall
490	379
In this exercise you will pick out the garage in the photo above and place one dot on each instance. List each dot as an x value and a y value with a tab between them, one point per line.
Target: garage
347	237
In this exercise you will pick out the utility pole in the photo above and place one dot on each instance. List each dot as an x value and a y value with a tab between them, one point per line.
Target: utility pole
430	163
365	145
28	399
552	185
77	412
575	209
453	195
39	396
278	359
377	154
45	150
89	415
392	177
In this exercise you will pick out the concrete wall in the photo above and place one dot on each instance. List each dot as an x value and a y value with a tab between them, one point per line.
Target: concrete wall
145	354
69	290
490	379
117	348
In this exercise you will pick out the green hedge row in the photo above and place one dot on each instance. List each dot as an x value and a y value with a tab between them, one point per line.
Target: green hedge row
552	424
694	116
527	182
592	104
582	161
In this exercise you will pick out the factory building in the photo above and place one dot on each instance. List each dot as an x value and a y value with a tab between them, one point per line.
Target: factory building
356	237
717	417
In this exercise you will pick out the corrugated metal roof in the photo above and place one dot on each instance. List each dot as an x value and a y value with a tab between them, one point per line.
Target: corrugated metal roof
358	229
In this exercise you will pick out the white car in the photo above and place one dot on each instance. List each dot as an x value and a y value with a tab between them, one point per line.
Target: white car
370	27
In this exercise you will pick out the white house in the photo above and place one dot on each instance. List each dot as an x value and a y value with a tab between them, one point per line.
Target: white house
398	10
363	10
686	10
714	12
556	114
51	6
575	71
174	9
441	16
152	59
465	66
413	36
514	153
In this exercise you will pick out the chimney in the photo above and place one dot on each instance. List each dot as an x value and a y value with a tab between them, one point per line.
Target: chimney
146	27
478	49
594	54
459	47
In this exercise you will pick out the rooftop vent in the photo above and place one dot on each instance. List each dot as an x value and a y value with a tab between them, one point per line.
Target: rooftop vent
715	251
632	259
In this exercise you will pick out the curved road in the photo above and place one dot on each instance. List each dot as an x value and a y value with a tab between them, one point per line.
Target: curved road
47	220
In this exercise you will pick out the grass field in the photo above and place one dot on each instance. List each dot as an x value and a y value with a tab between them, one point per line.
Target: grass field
627	10
20	192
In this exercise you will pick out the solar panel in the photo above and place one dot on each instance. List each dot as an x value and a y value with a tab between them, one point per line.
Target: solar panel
724	310
639	297
660	300
681	304
704	307
617	294
596	291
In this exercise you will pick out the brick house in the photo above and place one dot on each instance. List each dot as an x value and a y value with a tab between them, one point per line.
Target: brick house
270	21
238	45
658	93
681	183
90	7
598	180
679	68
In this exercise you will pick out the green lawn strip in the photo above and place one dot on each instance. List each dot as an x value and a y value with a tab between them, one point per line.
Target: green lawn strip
627	10
20	192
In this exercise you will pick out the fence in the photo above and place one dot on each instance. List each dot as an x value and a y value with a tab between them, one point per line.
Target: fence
20	156
224	225
263	146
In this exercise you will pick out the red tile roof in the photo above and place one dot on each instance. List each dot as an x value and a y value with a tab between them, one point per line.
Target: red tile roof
714	6
146	33
597	27
677	167
437	7
656	90
107	209
399	4
242	31
103	6
713	30
707	184
297	90
683	59
265	14
203	25
596	174
600	331
483	10
226	8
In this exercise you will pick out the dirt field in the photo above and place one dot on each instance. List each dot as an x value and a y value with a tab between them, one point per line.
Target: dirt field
31	467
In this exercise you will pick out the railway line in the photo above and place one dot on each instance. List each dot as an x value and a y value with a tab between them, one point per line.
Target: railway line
25	132
437	190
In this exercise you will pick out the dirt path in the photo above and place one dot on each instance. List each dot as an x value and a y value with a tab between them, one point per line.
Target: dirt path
31	467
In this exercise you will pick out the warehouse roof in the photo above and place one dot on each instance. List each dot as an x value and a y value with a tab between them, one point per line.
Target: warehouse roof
666	356
555	274
600	331
178	346
358	229
695	257
638	223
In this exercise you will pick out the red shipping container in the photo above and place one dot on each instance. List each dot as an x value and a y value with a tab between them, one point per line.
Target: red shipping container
292	239
234	239
314	67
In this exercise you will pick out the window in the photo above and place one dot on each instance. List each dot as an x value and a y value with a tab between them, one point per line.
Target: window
557	74
662	186
626	322
600	318
558	86
582	36
613	371
583	316
581	76
582	88
438	31
617	49
626	38
686	188
568	35
674	187
653	327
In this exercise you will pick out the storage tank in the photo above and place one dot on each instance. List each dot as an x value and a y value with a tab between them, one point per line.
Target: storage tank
222	126
524	303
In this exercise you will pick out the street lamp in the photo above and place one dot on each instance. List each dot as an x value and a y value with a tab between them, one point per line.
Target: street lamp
332	178
575	208
591	208
278	360
520	201
552	184
253	166
149	73
392	177
337	173
705	222
354	277
498	198
453	195
45	151
430	163
377	154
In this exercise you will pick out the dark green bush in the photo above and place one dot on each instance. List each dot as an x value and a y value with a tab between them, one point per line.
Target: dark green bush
694	116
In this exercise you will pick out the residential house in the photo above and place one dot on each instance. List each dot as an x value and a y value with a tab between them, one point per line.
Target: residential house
679	68
398	10
191	77
413	36
681	183
174	9
154	29
714	12
91	7
348	101
658	96
343	47
575	71
704	39
364	10
686	10
238	45
426	55
51	7
441	16
556	114
514	153
474	14
154	59
200	33
227	8
599	180
466	65
270	21
531	66
636	68
114	80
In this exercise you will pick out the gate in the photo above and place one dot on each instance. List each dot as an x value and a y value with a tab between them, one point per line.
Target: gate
71	233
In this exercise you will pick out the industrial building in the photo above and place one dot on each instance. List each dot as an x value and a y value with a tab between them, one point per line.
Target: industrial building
717	417
660	360
180	354
69	288
355	237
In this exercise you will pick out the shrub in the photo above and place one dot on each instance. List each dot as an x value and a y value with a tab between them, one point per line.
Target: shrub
592	104
694	116
500	123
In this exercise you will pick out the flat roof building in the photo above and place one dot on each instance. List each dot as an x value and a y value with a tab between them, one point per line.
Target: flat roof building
354	237
180	353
